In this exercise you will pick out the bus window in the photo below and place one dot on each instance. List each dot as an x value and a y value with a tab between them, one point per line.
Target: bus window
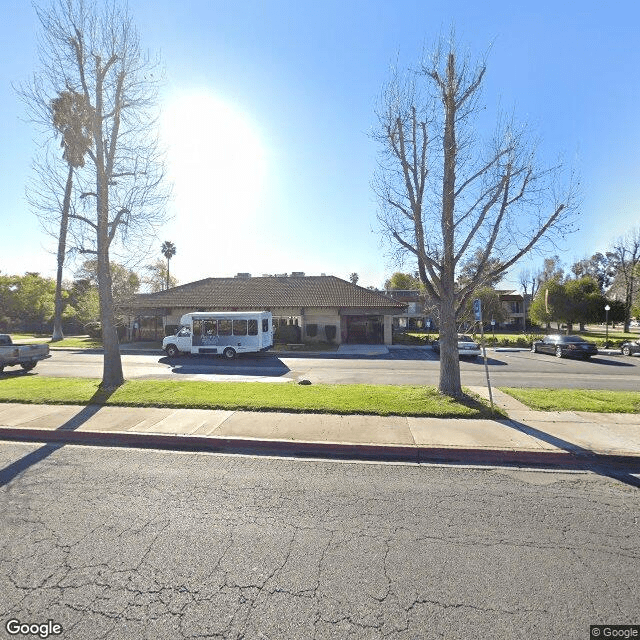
239	327
253	327
197	328
224	327
210	327
265	325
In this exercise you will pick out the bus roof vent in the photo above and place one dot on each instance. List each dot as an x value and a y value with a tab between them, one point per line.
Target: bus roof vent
243	275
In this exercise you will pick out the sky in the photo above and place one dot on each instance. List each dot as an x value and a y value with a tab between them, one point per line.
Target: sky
267	110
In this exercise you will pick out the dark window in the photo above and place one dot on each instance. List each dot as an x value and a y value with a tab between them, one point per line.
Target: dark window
239	327
265	325
224	327
253	327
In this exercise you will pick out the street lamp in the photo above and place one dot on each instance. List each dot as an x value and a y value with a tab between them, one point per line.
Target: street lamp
607	308
493	329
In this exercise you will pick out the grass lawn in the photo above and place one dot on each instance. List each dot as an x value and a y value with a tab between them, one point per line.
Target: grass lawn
577	400
258	396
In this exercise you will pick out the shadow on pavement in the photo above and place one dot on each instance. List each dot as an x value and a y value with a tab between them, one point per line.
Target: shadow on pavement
612	362
16	468
186	365
623	471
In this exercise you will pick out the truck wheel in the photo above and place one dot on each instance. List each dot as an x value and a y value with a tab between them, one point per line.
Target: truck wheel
229	353
27	366
172	350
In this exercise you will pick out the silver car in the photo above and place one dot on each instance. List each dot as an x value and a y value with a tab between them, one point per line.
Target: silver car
467	347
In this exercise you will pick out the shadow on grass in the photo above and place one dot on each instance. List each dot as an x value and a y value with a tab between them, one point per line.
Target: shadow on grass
96	402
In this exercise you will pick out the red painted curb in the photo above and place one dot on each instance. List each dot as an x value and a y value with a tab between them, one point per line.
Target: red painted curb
395	453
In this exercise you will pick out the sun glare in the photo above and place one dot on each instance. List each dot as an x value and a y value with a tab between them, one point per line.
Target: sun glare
216	162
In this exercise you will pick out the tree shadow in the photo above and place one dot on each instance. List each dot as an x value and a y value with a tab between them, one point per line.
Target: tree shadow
13	470
618	468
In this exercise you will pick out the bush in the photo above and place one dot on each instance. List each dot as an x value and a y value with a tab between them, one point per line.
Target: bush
287	334
330	330
94	329
411	338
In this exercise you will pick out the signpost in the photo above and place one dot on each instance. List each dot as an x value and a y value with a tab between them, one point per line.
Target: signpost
477	312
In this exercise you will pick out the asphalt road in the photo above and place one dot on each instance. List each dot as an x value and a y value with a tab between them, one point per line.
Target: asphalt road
400	366
121	544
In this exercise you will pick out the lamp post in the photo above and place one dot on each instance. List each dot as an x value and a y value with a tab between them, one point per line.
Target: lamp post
493	329
607	308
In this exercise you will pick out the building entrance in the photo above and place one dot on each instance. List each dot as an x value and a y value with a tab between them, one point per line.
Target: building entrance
365	329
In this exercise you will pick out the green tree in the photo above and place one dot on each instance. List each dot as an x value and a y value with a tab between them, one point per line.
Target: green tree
124	284
492	307
168	250
72	117
403	282
33	301
157	277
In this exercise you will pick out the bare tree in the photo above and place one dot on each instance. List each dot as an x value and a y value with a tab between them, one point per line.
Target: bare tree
626	258
92	49
446	194
530	283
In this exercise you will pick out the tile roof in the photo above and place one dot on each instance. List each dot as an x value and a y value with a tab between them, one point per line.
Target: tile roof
267	292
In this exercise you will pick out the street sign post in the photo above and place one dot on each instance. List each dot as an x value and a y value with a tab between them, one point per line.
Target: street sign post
477	312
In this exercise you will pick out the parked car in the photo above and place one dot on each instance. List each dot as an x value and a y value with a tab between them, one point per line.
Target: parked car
565	347
467	348
25	355
630	347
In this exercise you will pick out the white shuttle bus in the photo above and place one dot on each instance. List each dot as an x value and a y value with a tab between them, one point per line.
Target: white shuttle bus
225	332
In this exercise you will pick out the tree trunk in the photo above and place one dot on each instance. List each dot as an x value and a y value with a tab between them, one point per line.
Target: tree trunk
62	248
112	375
449	359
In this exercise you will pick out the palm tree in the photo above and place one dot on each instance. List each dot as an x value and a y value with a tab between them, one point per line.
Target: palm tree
168	250
73	118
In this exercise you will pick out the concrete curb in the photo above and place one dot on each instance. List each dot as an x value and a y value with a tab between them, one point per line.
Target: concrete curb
330	450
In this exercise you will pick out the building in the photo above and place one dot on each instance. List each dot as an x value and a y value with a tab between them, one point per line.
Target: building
513	304
326	308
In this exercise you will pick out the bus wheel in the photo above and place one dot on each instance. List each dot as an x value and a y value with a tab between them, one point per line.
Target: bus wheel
172	351
229	353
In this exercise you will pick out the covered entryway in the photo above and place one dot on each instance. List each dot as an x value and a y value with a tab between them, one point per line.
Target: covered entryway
365	329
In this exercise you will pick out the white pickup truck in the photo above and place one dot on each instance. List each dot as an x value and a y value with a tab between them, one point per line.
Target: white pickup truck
25	355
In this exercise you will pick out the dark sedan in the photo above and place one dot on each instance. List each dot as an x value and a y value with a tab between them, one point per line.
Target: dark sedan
630	347
565	347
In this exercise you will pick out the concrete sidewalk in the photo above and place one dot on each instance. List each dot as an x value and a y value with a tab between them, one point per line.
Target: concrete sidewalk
565	440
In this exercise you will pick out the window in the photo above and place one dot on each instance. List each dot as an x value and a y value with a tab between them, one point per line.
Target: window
197	328
210	327
184	332
239	327
265	325
224	327
253	327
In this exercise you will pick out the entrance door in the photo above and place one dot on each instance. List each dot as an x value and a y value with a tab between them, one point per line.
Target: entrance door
365	330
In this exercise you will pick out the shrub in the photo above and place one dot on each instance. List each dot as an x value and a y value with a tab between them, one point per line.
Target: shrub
330	330
287	334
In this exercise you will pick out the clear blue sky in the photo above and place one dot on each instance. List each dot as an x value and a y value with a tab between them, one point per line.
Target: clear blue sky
281	96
